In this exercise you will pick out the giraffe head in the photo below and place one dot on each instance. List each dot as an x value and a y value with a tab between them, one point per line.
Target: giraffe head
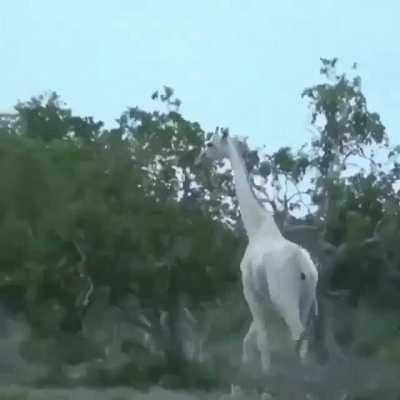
216	148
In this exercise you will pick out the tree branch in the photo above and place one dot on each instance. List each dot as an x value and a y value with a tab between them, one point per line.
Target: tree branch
83	299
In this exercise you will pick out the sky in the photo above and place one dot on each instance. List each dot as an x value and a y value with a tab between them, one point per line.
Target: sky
240	64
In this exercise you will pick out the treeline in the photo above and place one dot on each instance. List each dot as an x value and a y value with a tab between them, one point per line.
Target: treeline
95	219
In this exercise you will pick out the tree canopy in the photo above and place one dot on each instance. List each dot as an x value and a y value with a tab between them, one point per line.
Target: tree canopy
84	207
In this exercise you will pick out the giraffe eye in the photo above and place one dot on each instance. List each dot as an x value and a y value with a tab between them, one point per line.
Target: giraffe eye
210	145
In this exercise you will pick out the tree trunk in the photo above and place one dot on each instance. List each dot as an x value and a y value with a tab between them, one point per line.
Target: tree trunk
174	348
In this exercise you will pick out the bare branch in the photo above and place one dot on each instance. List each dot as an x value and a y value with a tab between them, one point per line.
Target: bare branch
285	200
84	298
81	254
267	199
352	152
298	193
135	320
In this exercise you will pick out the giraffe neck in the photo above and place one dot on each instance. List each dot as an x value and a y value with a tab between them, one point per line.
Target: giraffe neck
253	215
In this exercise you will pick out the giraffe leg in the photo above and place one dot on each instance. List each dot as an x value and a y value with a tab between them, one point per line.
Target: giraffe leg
249	345
260	326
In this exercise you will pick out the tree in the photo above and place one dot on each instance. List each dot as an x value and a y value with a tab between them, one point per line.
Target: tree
84	207
120	208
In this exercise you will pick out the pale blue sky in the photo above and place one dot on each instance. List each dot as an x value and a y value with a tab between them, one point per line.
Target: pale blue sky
237	63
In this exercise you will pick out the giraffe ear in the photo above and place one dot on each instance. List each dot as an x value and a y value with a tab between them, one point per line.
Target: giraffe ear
225	133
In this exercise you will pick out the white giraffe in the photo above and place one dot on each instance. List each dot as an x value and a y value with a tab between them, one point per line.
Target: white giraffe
277	275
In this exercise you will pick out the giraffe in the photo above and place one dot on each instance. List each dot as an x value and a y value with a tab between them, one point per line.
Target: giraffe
278	276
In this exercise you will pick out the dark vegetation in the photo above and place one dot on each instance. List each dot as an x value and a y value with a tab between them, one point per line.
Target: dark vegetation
122	256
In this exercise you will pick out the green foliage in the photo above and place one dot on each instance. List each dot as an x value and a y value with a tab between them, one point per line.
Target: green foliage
343	106
128	209
112	207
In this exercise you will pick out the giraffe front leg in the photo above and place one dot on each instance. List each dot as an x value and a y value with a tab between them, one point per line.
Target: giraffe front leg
249	345
260	326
